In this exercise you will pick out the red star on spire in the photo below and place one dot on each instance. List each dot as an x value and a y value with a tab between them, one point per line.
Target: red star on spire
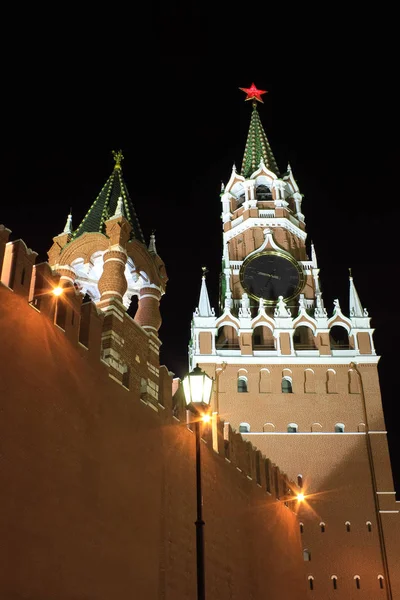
253	93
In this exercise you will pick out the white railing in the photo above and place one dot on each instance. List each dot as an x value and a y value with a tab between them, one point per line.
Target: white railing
268	214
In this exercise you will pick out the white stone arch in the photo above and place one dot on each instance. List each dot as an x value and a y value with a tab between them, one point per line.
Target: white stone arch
268	427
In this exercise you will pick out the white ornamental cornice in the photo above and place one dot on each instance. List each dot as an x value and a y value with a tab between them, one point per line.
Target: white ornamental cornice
274	222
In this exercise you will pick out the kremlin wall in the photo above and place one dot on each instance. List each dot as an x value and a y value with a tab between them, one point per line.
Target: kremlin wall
97	462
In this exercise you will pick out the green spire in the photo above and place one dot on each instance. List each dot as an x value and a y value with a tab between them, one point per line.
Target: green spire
106	203
257	148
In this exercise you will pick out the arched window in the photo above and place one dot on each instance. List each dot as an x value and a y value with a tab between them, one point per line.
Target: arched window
369	526
303	338
301	527
300	481
334	582
292	428
227	338
263	338
244	428
357	580
322	525
339	428
380	579
306	555
287	385
348	526
311	582
339	338
242	384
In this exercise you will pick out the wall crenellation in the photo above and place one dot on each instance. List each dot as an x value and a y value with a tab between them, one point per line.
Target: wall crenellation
113	340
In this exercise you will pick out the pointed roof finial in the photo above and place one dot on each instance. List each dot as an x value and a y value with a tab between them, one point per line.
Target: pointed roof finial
253	93
118	157
68	224
289	168
355	306
204	309
152	244
257	144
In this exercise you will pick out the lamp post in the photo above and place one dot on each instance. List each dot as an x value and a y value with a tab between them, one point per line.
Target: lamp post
197	387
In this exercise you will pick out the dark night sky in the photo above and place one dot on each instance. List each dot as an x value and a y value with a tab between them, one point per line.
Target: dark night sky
181	124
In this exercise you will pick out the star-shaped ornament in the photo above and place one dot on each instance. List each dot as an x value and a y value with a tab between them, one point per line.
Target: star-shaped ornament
253	93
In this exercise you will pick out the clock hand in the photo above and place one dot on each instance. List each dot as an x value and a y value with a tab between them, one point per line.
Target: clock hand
268	275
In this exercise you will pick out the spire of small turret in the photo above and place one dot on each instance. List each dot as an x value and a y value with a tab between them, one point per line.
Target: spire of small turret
68	224
152	243
119	211
355	306
204	308
257	145
313	256
106	205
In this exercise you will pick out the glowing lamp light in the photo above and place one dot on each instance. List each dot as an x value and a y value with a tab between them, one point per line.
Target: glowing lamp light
57	291
206	418
197	387
300	497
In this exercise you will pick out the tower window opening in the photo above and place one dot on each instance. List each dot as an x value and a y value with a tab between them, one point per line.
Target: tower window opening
301	528
311	582
306	555
339	338
300	481
242	384
322	526
244	428
339	428
357	580
22	276
287	386
380	579
334	582
348	526
292	428
369	526
303	338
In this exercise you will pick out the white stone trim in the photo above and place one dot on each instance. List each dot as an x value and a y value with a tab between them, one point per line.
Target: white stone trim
251	222
273	358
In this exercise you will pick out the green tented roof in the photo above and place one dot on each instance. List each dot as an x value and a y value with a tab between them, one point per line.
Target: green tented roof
257	147
106	203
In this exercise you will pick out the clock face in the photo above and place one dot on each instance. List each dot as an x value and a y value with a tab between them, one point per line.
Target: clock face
271	274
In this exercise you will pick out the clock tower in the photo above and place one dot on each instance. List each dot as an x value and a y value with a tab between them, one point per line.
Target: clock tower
298	383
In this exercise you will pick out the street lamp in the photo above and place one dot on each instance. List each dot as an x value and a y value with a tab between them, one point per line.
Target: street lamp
197	387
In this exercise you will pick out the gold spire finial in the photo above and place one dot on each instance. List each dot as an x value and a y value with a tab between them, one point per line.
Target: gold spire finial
118	157
205	270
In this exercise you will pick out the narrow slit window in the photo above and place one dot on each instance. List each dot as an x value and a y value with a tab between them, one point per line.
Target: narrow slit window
334	582
322	525
348	526
311	582
301	528
357	580
380	579
369	526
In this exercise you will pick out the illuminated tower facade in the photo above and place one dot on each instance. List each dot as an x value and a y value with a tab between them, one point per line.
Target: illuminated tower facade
106	260
301	383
